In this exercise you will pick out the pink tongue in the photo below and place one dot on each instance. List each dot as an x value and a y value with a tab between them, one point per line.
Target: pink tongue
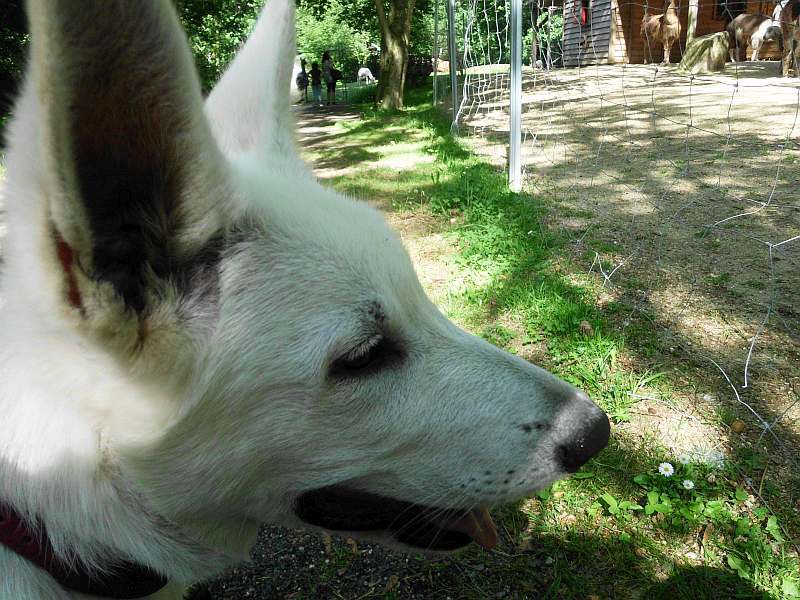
478	525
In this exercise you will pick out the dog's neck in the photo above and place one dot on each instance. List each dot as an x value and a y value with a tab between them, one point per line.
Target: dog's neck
31	542
59	466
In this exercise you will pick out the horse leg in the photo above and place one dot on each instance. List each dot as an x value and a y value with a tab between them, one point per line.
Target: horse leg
786	59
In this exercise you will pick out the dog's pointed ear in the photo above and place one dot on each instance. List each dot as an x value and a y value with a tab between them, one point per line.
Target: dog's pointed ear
131	173
249	108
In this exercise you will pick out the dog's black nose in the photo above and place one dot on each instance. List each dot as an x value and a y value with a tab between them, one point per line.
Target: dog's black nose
588	434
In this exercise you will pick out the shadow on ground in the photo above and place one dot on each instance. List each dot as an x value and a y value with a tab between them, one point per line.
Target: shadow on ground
290	564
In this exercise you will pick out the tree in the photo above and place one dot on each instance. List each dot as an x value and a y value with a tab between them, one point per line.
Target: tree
329	29
216	29
395	39
13	39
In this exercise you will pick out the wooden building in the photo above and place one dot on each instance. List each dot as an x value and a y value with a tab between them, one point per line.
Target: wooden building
607	31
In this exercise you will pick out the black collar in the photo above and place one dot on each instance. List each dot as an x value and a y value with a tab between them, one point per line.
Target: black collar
122	580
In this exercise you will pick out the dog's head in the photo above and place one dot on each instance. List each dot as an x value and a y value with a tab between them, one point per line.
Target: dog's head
280	359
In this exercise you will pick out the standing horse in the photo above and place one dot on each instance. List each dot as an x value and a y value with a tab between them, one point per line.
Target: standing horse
664	29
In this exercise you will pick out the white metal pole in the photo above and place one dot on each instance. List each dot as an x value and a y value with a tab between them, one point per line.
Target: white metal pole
551	11
451	49
515	124
691	28
435	52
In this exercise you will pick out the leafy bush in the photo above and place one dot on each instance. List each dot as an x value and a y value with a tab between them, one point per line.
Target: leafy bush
216	30
328	30
548	34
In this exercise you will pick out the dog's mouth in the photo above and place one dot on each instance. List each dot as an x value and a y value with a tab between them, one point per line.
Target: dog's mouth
340	508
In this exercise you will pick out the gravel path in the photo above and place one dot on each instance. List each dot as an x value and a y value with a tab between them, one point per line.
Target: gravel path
297	564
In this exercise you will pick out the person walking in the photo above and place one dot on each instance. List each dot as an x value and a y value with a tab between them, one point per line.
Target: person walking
328	76
316	84
302	81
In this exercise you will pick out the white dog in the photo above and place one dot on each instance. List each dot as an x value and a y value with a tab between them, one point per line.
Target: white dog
197	337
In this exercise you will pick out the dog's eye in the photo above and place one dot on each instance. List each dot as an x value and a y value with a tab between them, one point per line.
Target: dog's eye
367	357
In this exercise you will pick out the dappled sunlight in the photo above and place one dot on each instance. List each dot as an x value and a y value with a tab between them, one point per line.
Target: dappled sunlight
403	160
402	156
370	148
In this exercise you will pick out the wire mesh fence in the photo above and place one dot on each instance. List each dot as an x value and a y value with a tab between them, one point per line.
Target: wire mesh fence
679	189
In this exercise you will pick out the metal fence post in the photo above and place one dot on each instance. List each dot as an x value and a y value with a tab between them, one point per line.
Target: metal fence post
451	49
435	52
515	124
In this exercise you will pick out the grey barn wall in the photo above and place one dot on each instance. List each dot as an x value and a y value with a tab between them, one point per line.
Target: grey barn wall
590	44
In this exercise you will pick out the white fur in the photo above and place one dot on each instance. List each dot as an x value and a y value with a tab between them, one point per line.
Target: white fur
365	75
757	39
171	447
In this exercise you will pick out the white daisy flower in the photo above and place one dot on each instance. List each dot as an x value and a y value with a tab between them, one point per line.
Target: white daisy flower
684	459
666	469
688	484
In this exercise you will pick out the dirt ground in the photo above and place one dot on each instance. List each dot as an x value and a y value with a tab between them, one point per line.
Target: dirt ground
683	194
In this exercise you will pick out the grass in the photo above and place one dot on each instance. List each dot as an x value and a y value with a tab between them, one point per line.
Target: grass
618	528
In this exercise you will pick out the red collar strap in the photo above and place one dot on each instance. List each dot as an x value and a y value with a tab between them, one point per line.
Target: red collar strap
124	580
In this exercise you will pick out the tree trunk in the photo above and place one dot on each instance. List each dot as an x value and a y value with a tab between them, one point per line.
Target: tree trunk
691	28
534	6
395	36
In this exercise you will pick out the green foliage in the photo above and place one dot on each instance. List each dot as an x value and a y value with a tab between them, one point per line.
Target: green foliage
216	29
422	27
318	31
361	93
685	497
361	16
549	30
13	40
488	48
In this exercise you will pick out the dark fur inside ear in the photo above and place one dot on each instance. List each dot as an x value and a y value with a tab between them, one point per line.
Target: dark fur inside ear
133	139
130	229
133	215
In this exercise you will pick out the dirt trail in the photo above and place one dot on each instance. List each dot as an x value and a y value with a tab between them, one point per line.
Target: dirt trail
421	233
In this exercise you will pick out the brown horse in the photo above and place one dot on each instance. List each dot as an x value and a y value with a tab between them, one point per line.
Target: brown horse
741	30
664	29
